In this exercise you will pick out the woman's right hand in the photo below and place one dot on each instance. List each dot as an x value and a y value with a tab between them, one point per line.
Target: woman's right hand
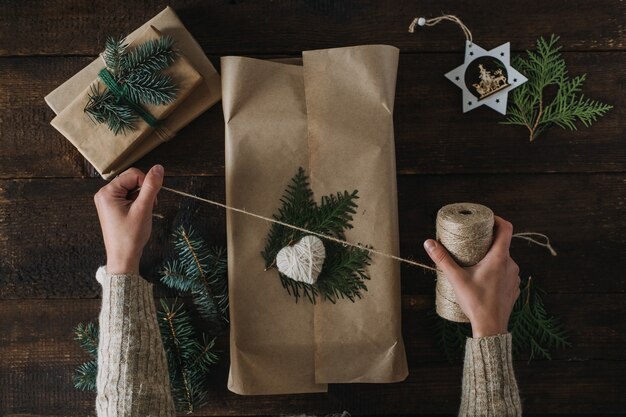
486	292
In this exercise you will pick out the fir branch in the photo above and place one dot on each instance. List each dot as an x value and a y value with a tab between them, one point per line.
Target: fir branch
150	57
87	337
188	359
545	68
201	270
344	271
114	50
534	332
103	107
85	376
158	89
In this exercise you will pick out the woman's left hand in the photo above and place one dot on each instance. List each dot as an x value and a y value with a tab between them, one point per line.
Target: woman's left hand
126	217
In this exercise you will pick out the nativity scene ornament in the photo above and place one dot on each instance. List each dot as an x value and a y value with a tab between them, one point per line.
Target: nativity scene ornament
485	77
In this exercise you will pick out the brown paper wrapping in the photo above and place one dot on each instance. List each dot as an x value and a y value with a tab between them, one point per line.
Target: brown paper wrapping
110	154
332	115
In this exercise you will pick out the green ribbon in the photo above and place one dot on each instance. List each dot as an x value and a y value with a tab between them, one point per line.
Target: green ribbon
120	93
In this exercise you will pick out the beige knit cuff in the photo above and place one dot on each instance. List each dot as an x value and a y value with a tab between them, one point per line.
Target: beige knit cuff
103	276
489	386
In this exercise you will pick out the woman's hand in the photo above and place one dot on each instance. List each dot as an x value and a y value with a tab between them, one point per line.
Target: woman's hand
126	217
486	291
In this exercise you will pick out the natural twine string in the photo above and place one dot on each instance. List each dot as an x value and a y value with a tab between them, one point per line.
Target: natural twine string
526	236
466	231
421	21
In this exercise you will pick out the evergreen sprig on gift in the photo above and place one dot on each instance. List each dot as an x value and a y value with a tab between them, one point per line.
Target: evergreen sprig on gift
529	104
534	332
344	271
201	270
138	72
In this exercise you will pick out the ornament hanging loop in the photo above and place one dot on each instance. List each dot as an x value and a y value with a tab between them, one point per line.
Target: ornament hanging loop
422	21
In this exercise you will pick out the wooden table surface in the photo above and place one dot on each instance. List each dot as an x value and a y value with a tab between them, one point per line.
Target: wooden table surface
570	185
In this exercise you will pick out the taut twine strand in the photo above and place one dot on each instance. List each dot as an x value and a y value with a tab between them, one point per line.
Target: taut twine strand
525	236
421	21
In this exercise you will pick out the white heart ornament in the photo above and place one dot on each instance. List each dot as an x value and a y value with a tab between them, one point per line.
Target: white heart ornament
302	261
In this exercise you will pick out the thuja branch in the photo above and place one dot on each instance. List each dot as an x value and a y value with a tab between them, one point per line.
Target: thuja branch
545	68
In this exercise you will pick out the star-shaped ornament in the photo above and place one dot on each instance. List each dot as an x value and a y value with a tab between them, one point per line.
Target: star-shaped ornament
486	77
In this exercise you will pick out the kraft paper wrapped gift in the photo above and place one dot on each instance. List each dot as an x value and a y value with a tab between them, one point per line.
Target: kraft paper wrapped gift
199	88
331	113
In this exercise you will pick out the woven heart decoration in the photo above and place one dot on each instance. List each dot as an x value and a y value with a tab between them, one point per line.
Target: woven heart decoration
302	261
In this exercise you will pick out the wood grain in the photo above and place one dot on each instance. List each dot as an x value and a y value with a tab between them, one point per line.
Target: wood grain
38	355
62	27
569	185
51	238
432	135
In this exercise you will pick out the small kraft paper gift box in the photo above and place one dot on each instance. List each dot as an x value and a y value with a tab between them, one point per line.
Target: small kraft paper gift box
198	88
332	114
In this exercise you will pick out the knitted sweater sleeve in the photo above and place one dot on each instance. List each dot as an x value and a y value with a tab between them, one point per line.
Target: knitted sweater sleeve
489	386
132	369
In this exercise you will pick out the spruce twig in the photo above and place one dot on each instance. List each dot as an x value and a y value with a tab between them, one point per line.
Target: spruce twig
202	270
344	271
545	68
138	71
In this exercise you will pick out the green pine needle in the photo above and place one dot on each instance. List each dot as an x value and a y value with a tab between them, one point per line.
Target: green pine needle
85	376
202	270
344	271
544	69
189	354
188	357
150	57
103	107
87	337
149	88
535	334
138	70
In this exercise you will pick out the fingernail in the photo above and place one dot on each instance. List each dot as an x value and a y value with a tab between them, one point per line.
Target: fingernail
158	169
430	245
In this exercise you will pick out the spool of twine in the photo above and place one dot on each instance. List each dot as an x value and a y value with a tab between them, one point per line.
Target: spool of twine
466	231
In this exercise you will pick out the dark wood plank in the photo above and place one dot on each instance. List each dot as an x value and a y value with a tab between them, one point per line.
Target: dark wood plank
38	357
432	135
232	27
51	241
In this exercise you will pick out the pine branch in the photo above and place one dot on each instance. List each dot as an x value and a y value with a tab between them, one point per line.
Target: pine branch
138	71
87	337
188	359
85	376
158	89
545	68
344	271
201	270
150	57
103	107
451	336
113	53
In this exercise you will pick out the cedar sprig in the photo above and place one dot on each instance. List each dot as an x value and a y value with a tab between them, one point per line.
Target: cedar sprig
546	69
138	71
535	333
201	270
344	271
